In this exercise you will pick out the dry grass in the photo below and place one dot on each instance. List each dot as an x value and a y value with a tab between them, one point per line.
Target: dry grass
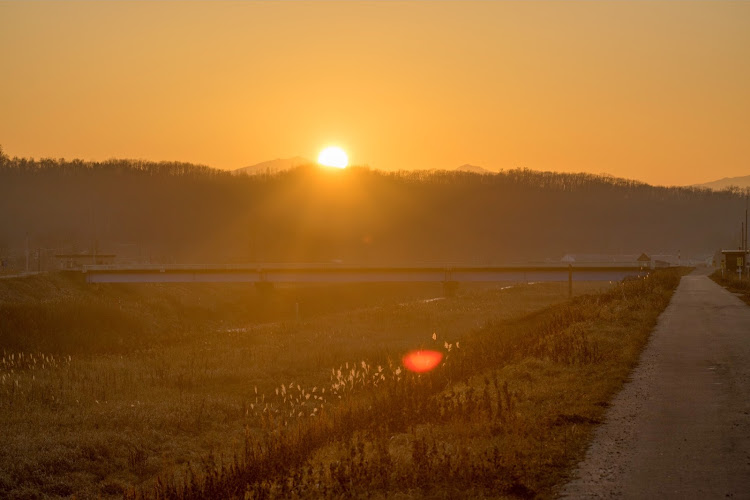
505	415
739	287
98	416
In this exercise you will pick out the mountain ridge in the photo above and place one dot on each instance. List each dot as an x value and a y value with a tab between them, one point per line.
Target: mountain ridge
273	166
466	167
742	182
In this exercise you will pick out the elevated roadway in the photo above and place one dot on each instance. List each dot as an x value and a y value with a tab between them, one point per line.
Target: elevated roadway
330	273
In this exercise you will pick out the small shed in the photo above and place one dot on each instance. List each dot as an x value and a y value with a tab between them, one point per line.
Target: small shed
644	261
734	260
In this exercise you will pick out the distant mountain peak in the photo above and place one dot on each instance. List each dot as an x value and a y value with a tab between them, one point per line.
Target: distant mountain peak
273	166
741	182
473	168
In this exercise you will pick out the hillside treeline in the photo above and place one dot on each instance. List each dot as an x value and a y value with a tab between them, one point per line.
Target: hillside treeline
184	213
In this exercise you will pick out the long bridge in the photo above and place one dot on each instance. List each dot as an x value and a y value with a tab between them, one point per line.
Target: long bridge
335	273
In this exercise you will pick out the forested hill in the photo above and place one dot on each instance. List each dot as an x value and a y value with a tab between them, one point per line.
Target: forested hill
174	212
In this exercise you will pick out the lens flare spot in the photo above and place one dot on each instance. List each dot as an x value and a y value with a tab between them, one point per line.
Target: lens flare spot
422	361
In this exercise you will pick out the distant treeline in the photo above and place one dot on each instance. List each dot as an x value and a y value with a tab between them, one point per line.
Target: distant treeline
178	212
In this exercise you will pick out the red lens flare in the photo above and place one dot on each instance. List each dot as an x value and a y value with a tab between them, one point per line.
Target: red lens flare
422	361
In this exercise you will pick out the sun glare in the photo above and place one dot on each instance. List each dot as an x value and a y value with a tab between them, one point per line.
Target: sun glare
333	157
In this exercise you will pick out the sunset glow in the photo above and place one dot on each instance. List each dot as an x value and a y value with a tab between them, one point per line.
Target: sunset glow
551	86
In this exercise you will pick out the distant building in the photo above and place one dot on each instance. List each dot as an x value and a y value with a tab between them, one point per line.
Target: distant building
659	260
644	260
734	261
593	258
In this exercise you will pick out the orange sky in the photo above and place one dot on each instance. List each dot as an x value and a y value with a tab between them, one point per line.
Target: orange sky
658	92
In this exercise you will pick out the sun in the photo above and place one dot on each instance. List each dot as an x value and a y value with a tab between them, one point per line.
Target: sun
333	157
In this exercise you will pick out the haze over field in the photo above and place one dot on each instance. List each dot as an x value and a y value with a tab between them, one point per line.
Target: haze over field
653	91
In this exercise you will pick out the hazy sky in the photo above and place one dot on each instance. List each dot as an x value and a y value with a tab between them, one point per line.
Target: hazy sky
658	92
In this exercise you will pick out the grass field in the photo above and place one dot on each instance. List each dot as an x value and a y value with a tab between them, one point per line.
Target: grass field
506	415
734	285
105	388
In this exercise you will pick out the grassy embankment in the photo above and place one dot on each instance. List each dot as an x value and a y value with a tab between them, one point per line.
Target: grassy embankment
734	285
105	387
506	415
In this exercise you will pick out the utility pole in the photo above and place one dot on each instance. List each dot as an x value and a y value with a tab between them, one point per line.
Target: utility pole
745	241
93	237
27	252
742	248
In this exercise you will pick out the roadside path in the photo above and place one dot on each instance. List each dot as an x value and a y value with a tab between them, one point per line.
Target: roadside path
680	428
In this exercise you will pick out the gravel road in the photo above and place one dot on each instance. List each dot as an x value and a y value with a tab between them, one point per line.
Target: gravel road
680	428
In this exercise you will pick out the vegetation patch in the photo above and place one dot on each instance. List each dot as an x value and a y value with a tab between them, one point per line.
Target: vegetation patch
507	413
184	391
741	288
58	313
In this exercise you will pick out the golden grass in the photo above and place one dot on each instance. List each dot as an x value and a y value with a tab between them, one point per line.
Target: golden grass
111	417
505	415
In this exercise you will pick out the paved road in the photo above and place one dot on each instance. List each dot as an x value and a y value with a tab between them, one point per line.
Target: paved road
680	428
